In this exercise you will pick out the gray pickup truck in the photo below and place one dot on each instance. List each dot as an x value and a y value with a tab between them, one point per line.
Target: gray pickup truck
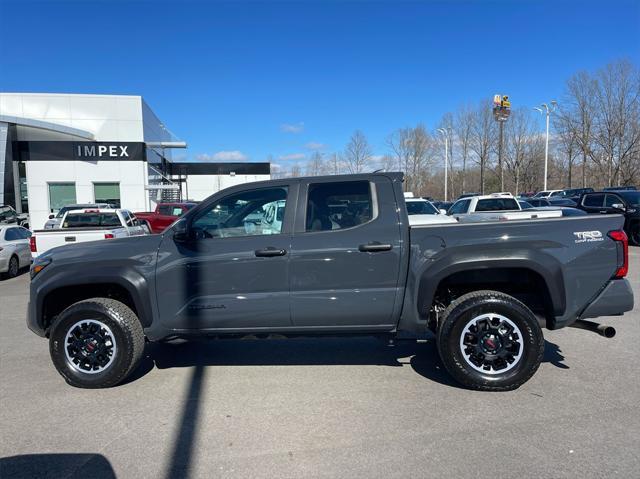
330	256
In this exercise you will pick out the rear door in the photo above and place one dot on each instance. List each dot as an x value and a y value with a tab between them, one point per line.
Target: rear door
345	255
593	203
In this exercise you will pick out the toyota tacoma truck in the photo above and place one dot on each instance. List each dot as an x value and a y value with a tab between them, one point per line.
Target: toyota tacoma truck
341	260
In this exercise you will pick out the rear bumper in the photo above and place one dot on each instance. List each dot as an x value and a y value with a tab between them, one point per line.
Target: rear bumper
616	298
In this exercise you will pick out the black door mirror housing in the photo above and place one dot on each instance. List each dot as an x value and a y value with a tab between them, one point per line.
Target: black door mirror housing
181	232
52	216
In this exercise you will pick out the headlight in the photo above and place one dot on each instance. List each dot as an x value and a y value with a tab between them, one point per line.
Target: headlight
38	265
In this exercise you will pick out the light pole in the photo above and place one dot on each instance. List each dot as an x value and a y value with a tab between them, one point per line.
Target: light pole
445	133
547	110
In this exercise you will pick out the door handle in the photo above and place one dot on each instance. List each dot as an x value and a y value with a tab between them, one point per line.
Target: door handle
374	247
270	252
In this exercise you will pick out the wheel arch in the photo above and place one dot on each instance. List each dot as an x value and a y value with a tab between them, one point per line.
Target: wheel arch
469	274
127	287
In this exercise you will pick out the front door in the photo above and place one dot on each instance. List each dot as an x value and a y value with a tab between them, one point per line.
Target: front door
233	271
345	258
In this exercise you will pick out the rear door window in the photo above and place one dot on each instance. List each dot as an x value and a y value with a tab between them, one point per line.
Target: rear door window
12	234
594	201
338	205
165	210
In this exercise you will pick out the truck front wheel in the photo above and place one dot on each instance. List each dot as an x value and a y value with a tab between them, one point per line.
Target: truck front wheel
96	343
490	341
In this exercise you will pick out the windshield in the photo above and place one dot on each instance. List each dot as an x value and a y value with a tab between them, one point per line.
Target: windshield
421	208
540	194
632	197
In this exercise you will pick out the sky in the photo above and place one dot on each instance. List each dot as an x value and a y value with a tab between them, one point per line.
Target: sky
266	80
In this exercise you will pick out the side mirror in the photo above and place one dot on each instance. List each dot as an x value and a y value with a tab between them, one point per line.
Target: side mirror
180	232
52	216
442	211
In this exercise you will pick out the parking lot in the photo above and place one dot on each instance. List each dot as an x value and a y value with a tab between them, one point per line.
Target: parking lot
320	408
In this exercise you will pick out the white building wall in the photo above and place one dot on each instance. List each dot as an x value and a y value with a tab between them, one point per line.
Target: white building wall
108	117
129	174
199	187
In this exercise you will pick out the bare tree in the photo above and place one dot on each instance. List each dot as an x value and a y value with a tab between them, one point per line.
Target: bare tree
412	150
357	153
617	101
463	128
483	135
568	143
577	110
317	165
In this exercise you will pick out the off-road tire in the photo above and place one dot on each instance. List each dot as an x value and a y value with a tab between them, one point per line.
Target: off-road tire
471	305
128	336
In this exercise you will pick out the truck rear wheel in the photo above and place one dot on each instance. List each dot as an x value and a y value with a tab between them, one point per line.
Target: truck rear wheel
490	341
96	343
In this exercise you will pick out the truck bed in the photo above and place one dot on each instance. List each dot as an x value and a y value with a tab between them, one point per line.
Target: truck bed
574	256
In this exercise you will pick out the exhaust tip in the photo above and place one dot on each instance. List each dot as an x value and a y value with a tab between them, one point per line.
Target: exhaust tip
606	331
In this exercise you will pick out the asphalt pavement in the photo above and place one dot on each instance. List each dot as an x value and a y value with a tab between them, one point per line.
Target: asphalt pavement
320	408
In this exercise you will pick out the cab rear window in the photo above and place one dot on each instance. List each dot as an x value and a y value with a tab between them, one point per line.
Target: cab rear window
91	220
497	204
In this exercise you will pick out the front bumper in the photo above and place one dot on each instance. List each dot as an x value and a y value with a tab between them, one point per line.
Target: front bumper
616	298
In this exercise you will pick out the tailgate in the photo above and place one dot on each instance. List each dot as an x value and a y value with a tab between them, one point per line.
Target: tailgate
52	238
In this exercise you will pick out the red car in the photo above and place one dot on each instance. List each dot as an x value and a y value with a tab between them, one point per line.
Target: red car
164	215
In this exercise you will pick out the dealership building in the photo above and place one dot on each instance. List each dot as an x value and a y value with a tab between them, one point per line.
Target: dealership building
58	149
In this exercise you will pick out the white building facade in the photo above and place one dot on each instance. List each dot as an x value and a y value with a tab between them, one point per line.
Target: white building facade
58	149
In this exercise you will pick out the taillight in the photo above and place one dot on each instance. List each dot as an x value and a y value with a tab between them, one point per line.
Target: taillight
109	236
622	243
32	244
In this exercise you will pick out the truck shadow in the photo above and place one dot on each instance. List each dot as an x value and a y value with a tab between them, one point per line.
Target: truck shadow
55	466
422	357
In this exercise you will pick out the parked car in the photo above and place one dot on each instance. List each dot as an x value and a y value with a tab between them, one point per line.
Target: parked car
423	212
538	202
620	188
482	289
468	195
55	219
79	226
624	202
9	216
564	210
14	250
164	215
548	194
443	205
555	201
494	207
575	193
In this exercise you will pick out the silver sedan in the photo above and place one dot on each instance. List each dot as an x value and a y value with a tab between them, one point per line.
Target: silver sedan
15	252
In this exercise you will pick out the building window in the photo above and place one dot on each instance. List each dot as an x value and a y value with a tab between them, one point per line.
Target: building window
107	193
61	194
